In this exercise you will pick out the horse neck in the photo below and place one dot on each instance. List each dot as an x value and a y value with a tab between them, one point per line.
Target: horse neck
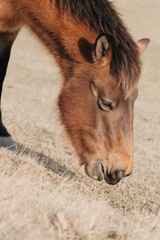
62	35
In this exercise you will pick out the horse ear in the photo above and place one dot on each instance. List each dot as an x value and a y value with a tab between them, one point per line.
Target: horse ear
101	49
142	44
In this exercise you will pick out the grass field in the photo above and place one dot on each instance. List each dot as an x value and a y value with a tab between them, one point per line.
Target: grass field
44	194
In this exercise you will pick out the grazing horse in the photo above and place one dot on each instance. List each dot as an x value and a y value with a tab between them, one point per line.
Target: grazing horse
101	66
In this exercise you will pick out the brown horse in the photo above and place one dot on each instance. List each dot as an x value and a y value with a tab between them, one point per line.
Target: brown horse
101	66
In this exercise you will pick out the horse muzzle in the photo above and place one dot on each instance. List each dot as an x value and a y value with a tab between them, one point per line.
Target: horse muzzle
98	171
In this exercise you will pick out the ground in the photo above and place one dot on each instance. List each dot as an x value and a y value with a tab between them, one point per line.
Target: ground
43	192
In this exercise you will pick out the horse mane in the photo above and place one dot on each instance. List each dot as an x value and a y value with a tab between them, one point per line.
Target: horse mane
101	16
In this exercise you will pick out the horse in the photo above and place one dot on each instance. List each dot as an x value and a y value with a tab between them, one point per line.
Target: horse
100	65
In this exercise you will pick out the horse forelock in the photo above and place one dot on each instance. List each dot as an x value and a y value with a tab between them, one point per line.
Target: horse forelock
126	65
101	16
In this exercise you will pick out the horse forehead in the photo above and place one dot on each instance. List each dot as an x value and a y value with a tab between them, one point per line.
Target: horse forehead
103	78
108	84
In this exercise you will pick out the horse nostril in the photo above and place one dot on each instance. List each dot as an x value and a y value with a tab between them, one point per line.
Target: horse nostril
119	174
114	177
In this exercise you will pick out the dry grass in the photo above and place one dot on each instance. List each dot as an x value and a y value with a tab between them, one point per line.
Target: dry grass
43	199
43	192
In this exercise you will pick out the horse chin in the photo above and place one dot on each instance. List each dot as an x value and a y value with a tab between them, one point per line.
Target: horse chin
95	170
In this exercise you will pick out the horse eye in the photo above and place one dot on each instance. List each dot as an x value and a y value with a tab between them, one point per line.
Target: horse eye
105	105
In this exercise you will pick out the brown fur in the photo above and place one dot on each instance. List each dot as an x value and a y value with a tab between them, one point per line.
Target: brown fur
99	60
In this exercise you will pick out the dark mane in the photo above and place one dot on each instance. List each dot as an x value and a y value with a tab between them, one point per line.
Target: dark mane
101	16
